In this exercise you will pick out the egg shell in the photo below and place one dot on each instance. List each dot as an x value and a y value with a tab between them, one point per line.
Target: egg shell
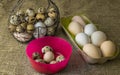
89	29
108	49
82	39
79	20
92	51
75	28
49	21
48	56
98	38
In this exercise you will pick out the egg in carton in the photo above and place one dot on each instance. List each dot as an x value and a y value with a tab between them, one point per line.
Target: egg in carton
40	29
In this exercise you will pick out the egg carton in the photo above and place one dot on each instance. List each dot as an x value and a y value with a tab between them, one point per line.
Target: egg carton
65	21
27	24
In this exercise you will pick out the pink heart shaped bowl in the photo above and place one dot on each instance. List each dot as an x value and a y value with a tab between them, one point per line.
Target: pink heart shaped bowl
59	45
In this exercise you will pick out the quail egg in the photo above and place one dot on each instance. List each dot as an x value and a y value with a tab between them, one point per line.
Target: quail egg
89	29
92	51
24	25
52	15
48	56
30	12
50	30
39	60
108	49
20	29
30	28
14	19
20	13
82	39
52	9
98	38
75	28
49	21
41	10
12	28
53	62
31	20
60	58
40	16
46	49
36	55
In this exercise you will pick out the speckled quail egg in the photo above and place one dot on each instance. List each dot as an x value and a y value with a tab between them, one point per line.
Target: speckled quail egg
46	49
49	21
50	30
20	29
22	19
53	62
30	28
31	20
108	49
60	58
41	10
82	39
40	16
79	20
39	60
36	55
30	12
12	28
92	51
98	38
51	9
24	25
75	28
40	30
52	15
14	19
89	29
48	56
20	13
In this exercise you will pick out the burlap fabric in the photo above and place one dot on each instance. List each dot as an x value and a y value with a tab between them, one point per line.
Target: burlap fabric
105	13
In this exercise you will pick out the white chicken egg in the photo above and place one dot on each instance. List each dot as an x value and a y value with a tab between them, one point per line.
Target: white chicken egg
75	28
82	39
98	38
89	29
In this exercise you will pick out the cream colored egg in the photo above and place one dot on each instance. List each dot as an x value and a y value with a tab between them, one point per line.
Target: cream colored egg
82	39
98	38
75	28
108	48
79	20
92	51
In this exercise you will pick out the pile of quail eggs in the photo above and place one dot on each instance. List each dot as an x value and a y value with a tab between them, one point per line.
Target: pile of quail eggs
48	56
94	42
25	25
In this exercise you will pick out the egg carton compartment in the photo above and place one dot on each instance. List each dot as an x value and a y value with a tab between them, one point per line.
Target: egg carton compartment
65	21
36	21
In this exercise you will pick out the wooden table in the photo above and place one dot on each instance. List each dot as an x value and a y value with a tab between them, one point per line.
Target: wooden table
105	13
